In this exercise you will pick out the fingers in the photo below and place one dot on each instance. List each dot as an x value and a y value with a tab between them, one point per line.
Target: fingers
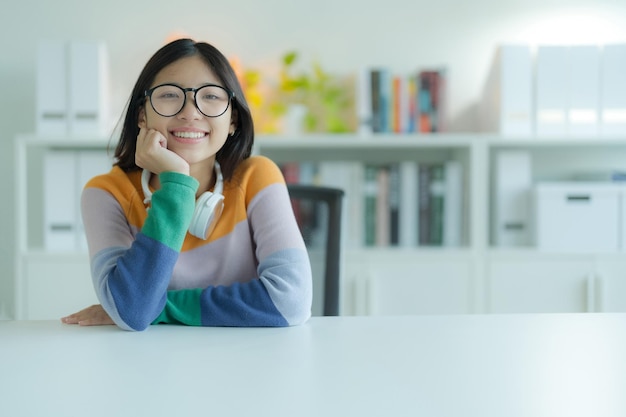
149	151
152	153
90	316
75	318
81	321
70	319
145	140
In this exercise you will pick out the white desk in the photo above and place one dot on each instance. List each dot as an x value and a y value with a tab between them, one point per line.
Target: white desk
456	366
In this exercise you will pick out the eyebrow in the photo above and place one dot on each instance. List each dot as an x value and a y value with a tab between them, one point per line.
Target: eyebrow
184	87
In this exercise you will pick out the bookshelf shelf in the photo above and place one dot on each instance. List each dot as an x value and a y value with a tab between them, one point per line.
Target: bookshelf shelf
375	140
58	141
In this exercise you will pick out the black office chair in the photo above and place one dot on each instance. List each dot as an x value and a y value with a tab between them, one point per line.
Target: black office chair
318	212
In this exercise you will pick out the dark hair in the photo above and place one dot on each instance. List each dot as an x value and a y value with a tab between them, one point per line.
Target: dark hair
236	148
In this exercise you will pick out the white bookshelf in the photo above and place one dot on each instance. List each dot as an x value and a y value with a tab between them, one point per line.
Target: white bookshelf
473	278
478	277
48	284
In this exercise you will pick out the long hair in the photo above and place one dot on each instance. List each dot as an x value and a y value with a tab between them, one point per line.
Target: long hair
237	147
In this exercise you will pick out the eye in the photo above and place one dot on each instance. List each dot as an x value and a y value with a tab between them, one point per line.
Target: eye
212	93
167	92
168	95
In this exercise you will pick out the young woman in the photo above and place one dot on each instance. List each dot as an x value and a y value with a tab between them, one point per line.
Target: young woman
187	227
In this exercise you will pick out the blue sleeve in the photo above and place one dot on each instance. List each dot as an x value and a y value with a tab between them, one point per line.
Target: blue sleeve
269	301
131	283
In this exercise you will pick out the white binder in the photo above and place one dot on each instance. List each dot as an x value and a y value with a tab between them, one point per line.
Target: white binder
613	90
516	83
51	80
60	206
409	205
453	204
584	91
88	88
364	102
513	180
551	91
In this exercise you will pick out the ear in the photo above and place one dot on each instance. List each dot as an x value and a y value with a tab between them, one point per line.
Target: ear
141	120
233	123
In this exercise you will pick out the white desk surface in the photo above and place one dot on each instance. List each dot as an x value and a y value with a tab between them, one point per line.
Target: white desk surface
457	366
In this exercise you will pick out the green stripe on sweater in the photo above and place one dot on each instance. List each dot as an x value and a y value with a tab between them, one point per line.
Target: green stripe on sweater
172	209
182	307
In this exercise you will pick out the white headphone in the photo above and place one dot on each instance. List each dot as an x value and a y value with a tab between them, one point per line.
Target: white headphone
209	205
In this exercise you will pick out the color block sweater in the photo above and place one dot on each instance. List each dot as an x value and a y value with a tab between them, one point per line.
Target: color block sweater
146	268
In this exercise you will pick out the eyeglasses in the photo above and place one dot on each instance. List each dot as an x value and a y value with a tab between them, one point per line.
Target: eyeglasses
168	99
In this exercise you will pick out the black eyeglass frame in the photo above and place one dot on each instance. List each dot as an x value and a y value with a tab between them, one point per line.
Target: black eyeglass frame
148	95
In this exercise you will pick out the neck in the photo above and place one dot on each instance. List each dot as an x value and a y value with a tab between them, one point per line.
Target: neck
204	172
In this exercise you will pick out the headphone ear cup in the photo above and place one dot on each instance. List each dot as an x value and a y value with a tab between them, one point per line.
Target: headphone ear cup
208	210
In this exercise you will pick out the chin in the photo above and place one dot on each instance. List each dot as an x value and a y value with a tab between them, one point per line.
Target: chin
194	158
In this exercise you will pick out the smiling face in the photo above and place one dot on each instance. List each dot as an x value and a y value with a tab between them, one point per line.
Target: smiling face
190	134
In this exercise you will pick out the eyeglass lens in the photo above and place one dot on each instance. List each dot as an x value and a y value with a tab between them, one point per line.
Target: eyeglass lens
168	100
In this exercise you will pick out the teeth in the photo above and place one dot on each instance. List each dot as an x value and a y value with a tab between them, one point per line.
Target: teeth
189	135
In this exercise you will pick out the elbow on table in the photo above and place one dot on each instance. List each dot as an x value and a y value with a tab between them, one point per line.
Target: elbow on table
136	322
300	318
299	311
134	325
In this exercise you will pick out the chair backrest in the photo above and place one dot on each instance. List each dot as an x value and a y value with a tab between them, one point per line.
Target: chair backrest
318	211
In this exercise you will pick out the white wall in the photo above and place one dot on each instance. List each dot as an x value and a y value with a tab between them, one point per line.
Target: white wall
342	35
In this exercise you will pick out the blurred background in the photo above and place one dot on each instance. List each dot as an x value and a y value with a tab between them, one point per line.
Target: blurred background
341	36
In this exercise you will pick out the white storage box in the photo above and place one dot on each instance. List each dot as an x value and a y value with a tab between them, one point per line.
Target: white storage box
578	216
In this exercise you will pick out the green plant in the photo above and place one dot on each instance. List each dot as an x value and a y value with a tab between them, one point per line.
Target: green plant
329	100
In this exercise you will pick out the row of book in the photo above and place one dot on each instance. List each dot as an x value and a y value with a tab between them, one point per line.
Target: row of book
394	103
556	91
404	204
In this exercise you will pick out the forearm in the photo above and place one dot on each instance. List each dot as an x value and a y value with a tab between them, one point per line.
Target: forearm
280	297
131	282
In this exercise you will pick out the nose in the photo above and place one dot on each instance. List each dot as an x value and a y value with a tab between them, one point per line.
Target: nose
190	110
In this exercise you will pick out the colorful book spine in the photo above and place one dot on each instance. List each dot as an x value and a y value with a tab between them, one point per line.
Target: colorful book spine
431	100
402	103
377	116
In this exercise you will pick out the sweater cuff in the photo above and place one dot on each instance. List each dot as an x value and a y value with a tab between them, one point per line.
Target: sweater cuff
172	209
